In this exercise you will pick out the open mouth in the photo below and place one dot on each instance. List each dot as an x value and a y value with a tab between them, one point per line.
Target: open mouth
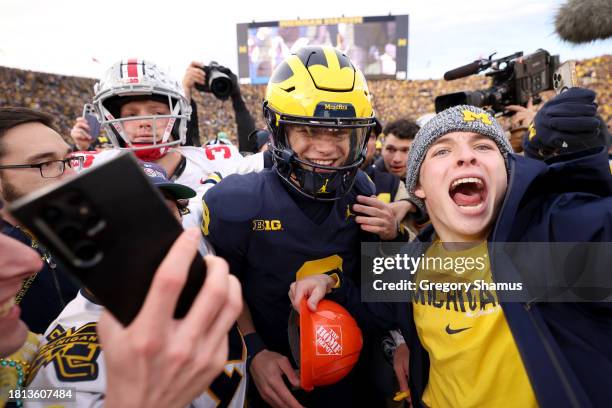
468	192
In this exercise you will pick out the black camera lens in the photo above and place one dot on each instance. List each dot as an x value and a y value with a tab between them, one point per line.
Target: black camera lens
51	214
91	221
220	84
87	251
70	233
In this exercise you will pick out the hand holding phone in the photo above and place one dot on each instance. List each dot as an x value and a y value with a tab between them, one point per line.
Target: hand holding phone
147	376
111	229
565	77
86	128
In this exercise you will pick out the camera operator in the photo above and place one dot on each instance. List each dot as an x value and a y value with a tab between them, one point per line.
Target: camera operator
200	77
519	123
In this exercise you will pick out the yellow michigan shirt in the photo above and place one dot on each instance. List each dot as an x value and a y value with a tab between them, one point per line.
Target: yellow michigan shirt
474	361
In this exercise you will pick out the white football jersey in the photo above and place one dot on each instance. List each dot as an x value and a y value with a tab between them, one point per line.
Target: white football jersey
70	356
200	163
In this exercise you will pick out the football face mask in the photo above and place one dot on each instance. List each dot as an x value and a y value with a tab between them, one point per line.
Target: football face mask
324	154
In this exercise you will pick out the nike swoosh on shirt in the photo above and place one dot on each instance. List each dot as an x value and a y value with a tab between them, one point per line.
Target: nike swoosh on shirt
455	331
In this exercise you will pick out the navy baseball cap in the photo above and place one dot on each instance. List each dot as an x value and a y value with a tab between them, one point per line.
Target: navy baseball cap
157	175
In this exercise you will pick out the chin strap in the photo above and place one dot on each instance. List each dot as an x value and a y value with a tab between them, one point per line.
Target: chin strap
317	183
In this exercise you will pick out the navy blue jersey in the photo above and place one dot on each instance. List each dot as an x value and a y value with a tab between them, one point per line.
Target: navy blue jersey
255	224
386	183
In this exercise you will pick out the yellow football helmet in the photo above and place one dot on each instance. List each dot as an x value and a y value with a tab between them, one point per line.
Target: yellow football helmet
318	89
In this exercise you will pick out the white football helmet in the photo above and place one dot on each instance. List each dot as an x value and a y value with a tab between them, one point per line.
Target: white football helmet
135	79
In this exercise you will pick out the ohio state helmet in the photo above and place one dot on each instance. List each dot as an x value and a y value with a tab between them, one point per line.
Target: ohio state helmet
135	79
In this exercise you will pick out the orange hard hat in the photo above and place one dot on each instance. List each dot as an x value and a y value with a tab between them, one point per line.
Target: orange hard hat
329	343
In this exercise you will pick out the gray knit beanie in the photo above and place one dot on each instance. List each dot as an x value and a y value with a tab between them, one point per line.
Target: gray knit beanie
461	118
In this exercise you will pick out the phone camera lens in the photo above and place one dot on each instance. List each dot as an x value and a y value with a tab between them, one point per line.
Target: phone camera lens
70	233
51	214
87	251
91	222
74	198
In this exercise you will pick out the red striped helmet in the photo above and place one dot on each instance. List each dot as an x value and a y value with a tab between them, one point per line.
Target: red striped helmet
133	80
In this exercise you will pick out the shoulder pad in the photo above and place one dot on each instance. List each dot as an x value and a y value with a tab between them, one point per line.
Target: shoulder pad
363	184
236	198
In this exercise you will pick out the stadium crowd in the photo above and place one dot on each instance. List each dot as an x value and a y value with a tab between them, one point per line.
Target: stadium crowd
286	226
63	96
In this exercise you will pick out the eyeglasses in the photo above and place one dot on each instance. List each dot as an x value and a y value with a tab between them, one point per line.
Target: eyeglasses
50	169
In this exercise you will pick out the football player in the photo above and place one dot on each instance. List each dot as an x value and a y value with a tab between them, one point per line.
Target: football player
306	215
144	109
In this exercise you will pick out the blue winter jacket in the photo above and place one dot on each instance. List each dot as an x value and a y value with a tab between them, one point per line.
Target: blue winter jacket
566	348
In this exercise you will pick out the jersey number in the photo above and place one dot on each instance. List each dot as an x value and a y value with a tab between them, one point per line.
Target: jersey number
331	264
211	152
224	387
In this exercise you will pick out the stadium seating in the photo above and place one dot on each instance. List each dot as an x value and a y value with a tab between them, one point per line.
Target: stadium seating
64	96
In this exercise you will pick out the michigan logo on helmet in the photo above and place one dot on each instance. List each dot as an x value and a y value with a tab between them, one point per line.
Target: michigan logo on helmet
319	94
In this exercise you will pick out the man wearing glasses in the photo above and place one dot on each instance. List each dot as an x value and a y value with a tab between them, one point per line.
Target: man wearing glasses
34	155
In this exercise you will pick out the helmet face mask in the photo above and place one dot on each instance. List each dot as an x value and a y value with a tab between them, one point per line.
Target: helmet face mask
319	118
142	81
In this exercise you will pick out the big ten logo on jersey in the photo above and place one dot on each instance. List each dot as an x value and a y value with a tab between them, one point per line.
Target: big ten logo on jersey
73	351
229	388
218	152
267	225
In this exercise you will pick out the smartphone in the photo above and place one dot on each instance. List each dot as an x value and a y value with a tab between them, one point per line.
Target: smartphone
92	120
565	77
111	229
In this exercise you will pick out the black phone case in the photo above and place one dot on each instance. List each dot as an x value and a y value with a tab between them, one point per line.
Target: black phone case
110	228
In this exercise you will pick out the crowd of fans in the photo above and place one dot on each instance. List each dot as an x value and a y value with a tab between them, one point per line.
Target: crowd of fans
446	179
64	96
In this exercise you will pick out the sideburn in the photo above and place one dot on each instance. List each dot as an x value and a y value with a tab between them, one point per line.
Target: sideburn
9	191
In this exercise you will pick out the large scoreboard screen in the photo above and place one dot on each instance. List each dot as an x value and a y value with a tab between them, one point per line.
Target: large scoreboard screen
378	45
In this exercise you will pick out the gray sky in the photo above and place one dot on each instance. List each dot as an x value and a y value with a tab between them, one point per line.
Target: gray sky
65	36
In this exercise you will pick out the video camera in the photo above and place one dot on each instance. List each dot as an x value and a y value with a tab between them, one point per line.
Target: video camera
218	81
515	80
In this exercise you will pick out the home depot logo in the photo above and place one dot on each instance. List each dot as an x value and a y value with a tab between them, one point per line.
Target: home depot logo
329	340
